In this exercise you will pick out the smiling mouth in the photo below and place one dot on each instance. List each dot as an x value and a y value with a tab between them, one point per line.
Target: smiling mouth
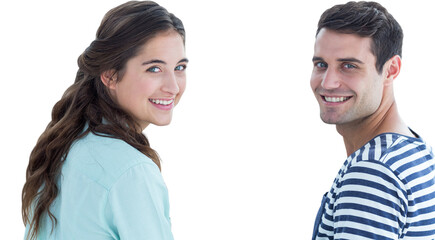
335	99
161	101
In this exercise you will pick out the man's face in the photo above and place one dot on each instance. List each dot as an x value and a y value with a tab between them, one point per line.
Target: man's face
344	80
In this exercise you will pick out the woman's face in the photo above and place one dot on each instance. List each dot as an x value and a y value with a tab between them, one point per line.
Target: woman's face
154	80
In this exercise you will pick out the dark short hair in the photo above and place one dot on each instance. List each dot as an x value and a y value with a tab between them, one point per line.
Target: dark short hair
366	19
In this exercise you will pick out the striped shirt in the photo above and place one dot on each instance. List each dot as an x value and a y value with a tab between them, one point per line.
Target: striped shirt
385	190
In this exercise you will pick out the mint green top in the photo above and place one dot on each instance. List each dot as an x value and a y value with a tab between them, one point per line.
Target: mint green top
108	190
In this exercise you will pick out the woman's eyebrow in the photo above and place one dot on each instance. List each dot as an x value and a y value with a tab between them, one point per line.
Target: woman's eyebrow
153	61
163	62
184	60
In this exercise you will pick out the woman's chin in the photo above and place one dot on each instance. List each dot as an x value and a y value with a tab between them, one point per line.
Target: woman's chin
162	122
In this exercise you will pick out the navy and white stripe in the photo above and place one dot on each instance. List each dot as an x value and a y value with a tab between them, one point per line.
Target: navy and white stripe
385	190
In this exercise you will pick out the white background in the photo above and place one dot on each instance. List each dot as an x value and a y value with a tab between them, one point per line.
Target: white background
246	156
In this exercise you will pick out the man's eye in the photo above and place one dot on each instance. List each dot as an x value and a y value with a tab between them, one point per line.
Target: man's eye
349	66
320	65
154	69
180	67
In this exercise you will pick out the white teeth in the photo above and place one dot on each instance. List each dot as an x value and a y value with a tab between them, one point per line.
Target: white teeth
336	99
162	102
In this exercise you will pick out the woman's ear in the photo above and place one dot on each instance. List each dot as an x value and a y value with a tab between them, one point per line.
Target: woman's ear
393	69
109	78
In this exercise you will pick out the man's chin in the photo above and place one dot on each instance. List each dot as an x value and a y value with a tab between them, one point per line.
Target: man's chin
329	120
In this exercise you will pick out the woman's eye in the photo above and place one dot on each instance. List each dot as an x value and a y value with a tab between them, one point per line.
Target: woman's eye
154	69
180	67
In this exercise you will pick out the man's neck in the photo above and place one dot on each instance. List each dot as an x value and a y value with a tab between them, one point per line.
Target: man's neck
386	119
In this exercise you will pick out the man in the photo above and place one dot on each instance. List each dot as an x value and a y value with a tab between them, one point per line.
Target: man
386	187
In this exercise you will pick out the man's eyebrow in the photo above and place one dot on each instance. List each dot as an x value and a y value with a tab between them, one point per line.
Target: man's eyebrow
350	60
315	59
163	62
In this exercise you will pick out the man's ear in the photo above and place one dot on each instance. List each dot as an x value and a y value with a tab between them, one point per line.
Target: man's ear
393	67
109	78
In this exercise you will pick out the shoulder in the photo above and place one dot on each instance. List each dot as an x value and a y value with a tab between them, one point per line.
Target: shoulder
387	183
138	205
394	152
392	166
105	159
394	157
409	158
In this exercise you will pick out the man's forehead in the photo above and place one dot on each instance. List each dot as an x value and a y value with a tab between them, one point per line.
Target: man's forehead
334	44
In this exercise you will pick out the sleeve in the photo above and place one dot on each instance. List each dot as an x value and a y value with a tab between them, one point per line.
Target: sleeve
371	203
138	206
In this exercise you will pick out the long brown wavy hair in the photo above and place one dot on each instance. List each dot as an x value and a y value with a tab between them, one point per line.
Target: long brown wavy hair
122	33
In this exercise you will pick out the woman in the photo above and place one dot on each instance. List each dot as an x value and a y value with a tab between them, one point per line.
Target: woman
92	174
